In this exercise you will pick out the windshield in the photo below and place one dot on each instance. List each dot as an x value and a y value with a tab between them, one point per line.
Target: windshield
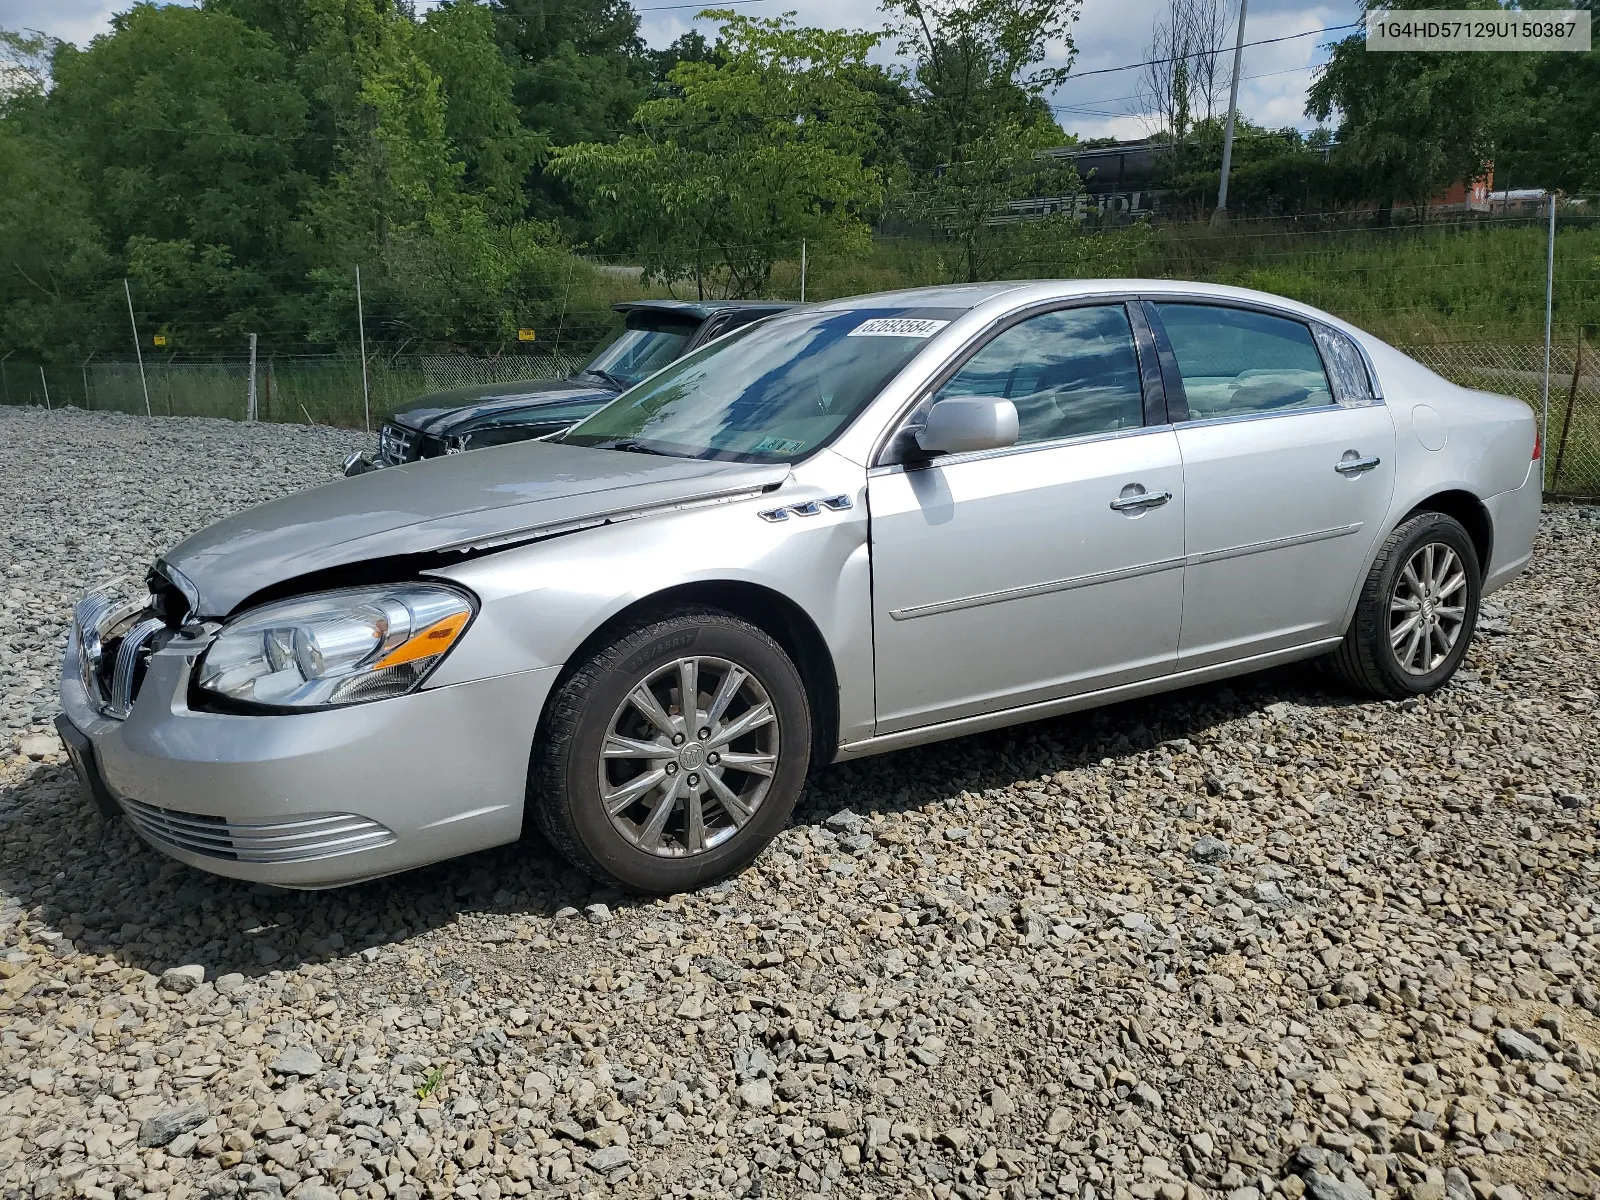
643	348
772	392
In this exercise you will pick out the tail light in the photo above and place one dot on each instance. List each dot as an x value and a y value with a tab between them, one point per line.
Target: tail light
1538	445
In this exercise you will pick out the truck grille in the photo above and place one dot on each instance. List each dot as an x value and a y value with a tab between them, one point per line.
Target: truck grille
301	838
397	444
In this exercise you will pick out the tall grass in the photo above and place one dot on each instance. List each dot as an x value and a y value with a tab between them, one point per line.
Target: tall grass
1439	282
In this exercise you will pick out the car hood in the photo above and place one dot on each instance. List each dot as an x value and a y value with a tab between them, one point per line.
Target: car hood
440	412
462	502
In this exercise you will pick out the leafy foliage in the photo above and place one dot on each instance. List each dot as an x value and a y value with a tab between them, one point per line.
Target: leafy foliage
980	118
758	148
1416	123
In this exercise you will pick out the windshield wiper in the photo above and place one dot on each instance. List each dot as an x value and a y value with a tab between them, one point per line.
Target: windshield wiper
615	381
633	447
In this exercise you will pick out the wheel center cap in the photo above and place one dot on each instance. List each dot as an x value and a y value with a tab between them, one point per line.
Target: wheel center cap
692	756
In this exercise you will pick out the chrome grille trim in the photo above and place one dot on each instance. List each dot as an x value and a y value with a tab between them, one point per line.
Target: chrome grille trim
95	620
397	444
88	616
120	702
301	838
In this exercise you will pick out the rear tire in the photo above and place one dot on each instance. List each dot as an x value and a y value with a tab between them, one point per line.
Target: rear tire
620	742
1417	611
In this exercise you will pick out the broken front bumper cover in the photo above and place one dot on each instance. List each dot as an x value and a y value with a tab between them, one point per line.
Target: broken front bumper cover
313	799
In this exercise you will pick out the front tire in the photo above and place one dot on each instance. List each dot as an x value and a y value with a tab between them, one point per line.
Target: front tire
1417	612
645	789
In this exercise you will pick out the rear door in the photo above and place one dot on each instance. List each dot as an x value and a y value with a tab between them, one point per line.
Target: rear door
1288	484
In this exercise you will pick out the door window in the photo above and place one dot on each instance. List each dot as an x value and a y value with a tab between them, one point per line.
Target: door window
1235	362
1070	372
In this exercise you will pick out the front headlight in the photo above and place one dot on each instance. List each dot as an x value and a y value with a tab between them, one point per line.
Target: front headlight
333	648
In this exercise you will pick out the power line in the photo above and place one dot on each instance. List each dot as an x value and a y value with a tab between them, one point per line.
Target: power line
1082	105
1288	37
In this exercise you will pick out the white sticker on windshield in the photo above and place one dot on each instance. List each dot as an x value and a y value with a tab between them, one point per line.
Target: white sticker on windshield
912	327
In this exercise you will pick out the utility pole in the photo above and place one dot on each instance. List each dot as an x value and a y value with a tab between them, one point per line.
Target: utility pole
44	383
361	320
136	350
802	270
250	401
1233	110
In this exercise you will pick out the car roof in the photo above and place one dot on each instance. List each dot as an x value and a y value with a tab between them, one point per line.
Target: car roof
968	296
702	308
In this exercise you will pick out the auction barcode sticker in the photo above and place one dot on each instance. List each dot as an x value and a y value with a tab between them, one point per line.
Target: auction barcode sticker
1482	30
912	327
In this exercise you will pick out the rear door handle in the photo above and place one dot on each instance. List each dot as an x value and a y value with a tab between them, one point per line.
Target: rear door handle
1140	501
1354	464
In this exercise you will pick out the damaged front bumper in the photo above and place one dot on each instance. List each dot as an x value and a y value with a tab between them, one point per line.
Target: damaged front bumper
313	799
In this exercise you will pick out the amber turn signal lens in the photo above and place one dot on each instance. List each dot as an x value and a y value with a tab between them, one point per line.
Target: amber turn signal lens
427	643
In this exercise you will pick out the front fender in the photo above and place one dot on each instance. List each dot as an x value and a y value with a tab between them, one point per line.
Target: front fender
541	602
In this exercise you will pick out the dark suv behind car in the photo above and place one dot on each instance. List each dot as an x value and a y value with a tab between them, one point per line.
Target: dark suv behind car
655	332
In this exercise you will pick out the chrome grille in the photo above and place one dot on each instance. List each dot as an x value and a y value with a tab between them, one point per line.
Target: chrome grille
301	838
99	620
397	444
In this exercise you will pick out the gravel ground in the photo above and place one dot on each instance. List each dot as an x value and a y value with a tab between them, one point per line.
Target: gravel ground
1242	941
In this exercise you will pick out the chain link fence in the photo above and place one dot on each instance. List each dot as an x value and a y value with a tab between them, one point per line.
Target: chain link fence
326	390
315	389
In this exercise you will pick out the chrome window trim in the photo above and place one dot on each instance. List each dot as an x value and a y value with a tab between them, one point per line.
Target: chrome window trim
980	338
1242	418
1082	439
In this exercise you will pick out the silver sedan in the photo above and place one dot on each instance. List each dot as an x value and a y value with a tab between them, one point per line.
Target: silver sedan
858	527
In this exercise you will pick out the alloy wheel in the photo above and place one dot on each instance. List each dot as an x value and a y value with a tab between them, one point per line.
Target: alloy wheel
1427	608
689	756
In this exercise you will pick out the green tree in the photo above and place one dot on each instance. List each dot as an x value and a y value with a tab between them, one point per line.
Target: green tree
184	122
981	71
756	150
395	163
1415	123
1552	136
480	117
53	256
579	70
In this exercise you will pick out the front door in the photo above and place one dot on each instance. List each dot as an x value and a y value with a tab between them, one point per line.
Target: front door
1288	484
1055	566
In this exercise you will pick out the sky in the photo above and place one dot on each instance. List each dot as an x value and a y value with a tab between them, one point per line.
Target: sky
1109	33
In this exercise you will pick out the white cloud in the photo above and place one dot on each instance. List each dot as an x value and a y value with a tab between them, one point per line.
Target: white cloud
70	20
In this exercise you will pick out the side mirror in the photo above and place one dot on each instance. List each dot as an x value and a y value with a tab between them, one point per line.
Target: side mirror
963	423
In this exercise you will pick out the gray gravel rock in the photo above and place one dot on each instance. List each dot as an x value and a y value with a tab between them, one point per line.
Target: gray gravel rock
298	1060
166	1124
1061	1000
1520	1046
183	979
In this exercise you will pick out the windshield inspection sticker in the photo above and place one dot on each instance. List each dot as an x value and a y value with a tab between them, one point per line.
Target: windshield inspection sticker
912	327
776	445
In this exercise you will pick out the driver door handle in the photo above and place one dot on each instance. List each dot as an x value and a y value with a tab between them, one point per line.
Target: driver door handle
1141	501
1356	466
